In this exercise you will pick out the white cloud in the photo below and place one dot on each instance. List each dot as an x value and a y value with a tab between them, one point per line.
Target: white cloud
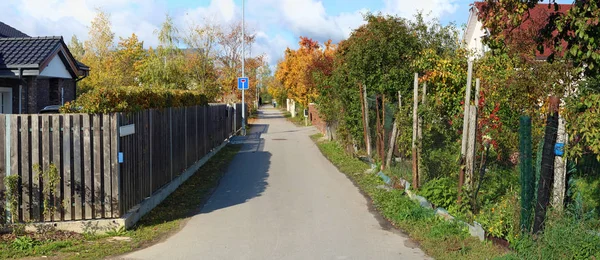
278	23
271	46
408	8
309	18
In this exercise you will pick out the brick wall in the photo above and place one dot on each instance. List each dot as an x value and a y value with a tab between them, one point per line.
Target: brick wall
315	119
36	93
42	96
69	86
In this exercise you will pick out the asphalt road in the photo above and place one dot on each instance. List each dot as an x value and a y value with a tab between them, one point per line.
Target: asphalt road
281	199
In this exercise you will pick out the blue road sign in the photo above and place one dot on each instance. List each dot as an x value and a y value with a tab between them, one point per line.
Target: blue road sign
243	83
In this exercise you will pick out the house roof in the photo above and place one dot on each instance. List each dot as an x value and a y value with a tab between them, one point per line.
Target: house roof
534	21
36	52
6	31
23	52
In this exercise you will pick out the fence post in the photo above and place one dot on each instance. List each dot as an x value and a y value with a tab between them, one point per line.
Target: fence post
547	169
171	141
7	148
365	111
151	141
463	149
415	168
526	171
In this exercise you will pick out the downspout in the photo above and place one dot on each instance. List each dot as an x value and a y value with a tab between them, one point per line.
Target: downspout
75	87
20	90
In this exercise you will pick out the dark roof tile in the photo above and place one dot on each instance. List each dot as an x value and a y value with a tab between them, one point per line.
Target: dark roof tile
26	51
6	31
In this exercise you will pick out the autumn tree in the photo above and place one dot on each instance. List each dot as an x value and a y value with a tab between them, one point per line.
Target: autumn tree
229	61
128	58
200	58
76	48
296	69
164	66
98	53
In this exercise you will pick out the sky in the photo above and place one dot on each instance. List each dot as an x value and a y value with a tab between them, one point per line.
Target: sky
277	23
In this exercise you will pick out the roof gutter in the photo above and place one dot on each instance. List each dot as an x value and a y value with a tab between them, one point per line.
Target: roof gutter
77	80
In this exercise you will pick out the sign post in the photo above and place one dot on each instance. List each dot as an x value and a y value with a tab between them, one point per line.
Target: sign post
243	84
243	68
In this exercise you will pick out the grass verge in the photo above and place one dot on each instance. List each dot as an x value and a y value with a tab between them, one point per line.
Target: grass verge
438	238
298	120
157	225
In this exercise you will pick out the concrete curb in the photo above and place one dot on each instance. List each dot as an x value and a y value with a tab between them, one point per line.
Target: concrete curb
475	230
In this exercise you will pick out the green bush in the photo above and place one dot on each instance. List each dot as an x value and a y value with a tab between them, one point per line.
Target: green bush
496	183
24	243
130	99
586	193
501	219
440	162
442	192
565	237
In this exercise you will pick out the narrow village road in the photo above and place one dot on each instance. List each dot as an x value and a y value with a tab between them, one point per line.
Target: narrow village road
281	199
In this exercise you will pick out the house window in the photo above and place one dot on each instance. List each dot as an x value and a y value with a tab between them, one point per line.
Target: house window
54	92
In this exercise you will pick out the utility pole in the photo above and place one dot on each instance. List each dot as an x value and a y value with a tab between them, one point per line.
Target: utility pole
243	72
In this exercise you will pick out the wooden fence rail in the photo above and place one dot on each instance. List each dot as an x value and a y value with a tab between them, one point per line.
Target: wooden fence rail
81	166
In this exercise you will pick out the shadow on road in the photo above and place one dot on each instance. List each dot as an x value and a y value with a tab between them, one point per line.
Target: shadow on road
247	174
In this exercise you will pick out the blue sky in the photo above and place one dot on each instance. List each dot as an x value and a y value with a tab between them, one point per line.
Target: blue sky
277	23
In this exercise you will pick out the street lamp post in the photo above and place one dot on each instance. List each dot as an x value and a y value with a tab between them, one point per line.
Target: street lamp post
243	72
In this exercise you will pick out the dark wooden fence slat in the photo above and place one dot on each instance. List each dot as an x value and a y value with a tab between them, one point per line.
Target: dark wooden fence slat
14	160
114	173
66	174
78	188
2	166
45	166
35	161
25	174
105	157
97	169
56	154
87	159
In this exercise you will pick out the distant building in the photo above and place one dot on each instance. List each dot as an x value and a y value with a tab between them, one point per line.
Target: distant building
475	33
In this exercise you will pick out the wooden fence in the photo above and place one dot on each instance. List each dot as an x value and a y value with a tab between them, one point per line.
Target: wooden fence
80	166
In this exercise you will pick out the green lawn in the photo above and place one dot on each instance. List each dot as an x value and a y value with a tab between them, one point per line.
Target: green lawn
165	219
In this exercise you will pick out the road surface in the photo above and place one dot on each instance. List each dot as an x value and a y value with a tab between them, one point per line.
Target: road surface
281	199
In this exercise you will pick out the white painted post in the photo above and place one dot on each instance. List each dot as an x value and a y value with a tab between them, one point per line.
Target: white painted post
394	136
471	145
463	149
415	157
560	169
366	104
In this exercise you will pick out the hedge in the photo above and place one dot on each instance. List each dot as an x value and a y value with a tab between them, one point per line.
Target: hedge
131	99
